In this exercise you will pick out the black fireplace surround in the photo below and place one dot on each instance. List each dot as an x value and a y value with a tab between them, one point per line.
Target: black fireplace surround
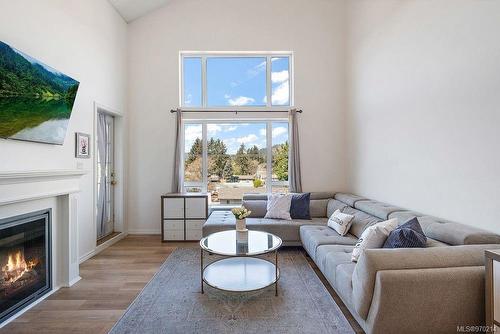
25	261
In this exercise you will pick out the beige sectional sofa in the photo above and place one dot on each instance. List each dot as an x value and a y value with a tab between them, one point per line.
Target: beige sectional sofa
419	290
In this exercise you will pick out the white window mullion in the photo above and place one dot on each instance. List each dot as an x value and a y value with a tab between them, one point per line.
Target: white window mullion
204	81
204	157
269	85
269	159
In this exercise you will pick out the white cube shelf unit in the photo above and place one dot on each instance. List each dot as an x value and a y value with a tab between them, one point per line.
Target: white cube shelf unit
182	216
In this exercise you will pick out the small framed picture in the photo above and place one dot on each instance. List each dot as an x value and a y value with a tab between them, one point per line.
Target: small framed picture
82	145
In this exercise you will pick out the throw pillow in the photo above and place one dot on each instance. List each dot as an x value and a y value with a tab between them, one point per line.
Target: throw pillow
299	208
408	235
278	206
340	222
373	237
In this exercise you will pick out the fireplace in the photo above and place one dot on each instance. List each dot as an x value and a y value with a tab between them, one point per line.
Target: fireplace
25	268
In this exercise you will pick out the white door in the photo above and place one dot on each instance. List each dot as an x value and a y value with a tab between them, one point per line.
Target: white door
105	175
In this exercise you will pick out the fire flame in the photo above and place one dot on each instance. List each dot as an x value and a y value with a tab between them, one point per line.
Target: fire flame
16	267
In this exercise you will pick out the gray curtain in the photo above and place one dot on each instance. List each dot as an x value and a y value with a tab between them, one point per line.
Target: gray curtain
102	151
178	177
295	179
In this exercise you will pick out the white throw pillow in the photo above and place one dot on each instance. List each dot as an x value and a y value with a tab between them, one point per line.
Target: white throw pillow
340	222
278	206
373	237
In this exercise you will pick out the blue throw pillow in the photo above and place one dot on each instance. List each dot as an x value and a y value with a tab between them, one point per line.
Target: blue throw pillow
408	235
299	209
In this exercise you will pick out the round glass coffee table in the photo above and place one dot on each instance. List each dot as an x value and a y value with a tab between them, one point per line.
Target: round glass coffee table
241	270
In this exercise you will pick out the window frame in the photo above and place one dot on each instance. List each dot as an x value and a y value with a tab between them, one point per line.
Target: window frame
249	54
203	184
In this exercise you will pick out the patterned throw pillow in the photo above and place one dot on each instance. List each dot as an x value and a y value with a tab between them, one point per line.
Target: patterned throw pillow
340	222
373	237
278	206
408	235
299	209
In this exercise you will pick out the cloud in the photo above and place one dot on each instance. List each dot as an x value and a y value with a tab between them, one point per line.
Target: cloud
212	129
262	132
279	77
247	139
278	131
240	101
281	94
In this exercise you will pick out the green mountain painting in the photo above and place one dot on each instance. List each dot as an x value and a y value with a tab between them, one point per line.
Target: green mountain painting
35	99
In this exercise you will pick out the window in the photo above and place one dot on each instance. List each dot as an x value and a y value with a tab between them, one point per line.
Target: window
236	81
229	159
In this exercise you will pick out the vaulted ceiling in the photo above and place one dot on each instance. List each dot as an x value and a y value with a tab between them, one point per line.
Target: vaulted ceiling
133	9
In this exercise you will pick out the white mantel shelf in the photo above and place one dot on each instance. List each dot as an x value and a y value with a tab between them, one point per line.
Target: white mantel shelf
19	186
20	192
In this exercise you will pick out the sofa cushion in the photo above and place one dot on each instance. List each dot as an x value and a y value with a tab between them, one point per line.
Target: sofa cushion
314	236
348	199
408	235
299	208
334	261
435	243
318	208
333	205
258	207
360	221
376	208
287	230
404	216
329	256
455	233
340	222
257	203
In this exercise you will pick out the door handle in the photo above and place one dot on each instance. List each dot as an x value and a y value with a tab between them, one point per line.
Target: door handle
113	182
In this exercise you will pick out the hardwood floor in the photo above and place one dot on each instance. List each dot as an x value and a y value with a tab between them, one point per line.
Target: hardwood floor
110	282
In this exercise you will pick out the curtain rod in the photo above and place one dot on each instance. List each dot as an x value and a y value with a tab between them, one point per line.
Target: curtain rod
235	111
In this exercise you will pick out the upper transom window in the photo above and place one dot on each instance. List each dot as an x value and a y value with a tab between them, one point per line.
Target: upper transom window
236	81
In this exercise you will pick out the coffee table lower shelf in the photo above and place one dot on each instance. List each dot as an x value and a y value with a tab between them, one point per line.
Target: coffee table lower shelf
241	274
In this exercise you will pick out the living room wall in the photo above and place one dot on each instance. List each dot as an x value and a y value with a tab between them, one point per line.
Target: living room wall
83	39
424	124
312	29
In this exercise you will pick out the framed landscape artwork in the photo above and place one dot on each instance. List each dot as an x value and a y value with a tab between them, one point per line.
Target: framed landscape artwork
82	145
36	100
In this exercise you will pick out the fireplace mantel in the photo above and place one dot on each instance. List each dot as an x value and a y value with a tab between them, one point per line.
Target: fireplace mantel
24	191
19	186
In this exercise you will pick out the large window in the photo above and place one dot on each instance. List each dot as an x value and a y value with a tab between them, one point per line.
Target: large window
229	159
236	81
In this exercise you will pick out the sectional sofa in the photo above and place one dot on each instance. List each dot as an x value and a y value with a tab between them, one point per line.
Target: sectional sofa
419	290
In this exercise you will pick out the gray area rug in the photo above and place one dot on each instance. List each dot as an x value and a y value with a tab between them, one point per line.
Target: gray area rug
172	302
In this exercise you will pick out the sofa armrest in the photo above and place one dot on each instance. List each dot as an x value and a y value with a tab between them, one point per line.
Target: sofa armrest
434	300
373	261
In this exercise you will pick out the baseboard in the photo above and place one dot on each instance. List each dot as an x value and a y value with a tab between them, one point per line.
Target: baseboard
144	231
103	246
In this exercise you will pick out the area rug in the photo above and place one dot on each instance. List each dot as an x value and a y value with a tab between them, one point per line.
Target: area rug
172	302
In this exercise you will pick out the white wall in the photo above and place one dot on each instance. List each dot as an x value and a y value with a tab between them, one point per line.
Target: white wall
87	41
424	106
312	29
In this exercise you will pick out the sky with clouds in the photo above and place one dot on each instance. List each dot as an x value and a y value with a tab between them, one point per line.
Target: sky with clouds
236	81
235	134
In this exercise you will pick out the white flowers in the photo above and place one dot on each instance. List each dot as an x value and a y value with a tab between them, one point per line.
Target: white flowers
241	213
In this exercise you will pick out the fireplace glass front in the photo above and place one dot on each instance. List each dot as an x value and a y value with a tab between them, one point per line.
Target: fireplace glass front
25	273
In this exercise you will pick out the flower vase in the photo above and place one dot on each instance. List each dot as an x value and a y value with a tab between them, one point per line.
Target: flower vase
241	225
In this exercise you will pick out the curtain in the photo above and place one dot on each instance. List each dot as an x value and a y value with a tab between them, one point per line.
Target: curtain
178	177
102	189
295	179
